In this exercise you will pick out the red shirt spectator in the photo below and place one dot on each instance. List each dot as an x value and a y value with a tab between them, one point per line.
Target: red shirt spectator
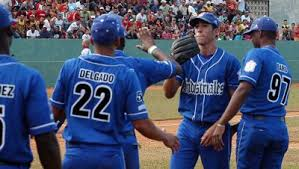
296	32
40	13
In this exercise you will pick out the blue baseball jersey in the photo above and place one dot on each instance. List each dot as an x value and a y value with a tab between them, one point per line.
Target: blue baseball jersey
205	85
270	75
24	110
148	73
95	91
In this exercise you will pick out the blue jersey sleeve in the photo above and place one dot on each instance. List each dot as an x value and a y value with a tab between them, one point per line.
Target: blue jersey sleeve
233	68
180	77
38	115
58	95
135	106
251	68
156	71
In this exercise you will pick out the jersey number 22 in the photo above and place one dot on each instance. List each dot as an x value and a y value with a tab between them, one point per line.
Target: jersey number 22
86	93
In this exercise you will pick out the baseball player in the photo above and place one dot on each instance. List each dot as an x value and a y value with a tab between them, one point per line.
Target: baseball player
148	73
93	92
85	47
265	81
208	80
24	109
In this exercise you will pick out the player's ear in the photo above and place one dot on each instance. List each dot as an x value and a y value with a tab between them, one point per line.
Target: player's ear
117	43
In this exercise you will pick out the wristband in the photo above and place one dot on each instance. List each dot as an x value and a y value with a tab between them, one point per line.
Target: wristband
151	49
220	125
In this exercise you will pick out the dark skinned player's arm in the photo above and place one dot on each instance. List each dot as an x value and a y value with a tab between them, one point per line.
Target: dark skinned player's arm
59	116
48	150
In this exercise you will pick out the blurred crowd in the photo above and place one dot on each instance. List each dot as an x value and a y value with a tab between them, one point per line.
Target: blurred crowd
167	19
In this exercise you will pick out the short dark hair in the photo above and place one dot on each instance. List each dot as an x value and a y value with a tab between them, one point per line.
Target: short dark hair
269	34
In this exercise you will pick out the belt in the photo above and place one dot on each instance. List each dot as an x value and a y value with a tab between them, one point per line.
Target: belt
201	123
3	163
262	117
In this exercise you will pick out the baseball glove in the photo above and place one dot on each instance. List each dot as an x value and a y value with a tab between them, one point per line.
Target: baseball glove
184	48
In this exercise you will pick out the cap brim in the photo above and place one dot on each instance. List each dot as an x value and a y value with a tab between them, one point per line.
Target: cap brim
195	20
248	32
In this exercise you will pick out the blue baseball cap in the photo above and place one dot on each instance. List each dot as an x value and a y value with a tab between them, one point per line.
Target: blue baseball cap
122	32
262	24
206	17
5	17
104	29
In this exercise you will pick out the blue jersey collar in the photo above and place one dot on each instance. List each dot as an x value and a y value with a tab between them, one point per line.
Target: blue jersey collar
120	53
97	58
7	59
270	47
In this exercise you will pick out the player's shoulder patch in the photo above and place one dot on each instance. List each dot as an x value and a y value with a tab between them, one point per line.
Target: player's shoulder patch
250	66
139	96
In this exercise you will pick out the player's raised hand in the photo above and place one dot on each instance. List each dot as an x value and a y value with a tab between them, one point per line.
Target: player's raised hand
145	36
171	141
206	139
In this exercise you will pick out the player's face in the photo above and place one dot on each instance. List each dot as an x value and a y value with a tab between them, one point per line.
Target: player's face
255	39
204	33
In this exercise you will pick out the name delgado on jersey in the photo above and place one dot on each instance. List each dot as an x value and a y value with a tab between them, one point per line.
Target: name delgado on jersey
96	76
203	88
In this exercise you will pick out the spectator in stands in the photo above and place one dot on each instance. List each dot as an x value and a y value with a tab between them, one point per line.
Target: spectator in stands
183	8
246	16
141	16
285	32
45	34
241	5
32	33
86	35
296	32
57	33
73	29
63	13
292	31
208	7
164	7
85	47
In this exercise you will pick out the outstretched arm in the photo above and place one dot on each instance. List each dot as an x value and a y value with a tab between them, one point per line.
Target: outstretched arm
148	129
148	45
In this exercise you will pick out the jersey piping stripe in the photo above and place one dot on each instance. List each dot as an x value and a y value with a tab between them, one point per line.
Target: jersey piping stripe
10	63
57	102
42	126
248	78
100	64
171	68
204	96
141	107
178	76
238	153
198	69
144	112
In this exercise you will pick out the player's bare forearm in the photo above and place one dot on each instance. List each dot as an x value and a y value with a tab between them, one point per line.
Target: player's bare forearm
170	87
148	129
59	114
235	103
48	150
